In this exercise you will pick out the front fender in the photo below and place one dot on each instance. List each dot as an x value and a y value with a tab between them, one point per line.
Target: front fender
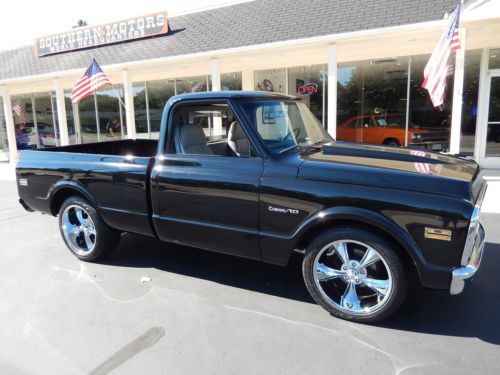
275	248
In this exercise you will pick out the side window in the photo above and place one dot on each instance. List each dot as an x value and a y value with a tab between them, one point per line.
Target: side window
353	123
209	130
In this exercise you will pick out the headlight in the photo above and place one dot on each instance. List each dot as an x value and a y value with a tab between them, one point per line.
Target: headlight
416	137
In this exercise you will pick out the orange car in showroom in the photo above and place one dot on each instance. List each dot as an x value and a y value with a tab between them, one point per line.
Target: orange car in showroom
390	130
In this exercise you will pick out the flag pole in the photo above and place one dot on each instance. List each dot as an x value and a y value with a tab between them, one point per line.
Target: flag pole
458	85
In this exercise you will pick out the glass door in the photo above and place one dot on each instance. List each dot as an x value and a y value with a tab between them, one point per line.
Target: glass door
491	158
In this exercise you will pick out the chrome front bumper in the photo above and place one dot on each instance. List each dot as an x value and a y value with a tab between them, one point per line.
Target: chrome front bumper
473	250
461	274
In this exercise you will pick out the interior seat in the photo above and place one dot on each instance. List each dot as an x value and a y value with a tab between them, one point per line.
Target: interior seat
192	140
238	141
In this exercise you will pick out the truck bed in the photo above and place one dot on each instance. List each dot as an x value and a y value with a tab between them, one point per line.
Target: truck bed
113	176
127	147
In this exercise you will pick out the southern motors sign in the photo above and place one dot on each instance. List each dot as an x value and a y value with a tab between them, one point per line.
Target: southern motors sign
93	36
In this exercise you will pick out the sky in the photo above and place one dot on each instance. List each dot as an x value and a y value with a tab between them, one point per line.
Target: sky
19	27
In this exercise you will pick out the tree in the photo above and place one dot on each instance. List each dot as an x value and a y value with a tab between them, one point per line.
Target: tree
80	23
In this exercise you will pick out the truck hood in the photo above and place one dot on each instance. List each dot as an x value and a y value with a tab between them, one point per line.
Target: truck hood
391	167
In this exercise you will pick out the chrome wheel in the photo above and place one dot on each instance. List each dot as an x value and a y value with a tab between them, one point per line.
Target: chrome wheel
353	277
79	230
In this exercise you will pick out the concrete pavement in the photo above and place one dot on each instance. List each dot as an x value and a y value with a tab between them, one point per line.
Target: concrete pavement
156	308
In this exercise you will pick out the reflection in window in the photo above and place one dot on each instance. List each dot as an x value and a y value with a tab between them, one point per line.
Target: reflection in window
24	124
307	82
46	119
73	136
150	98
494	60
493	130
192	84
369	91
140	109
88	120
469	101
35	120
111	113
272	80
230	81
4	155
158	93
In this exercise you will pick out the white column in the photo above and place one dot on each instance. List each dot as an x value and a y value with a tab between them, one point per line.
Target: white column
458	86
214	69
129	105
332	90
11	130
76	119
482	110
61	113
247	82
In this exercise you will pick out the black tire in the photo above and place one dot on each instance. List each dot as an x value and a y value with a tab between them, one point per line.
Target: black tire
392	142
88	240
329	293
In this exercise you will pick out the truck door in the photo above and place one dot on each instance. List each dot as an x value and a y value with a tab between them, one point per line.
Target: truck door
207	181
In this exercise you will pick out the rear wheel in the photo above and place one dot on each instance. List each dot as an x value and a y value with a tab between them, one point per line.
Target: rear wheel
355	275
84	232
392	142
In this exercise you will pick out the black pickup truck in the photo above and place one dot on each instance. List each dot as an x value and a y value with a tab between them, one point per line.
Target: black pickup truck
255	175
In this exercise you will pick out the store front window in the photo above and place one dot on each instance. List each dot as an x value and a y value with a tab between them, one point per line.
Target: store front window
89	132
231	81
150	98
4	148
372	101
35	120
373	106
308	83
102	116
470	101
494	59
111	113
272	80
73	134
192	84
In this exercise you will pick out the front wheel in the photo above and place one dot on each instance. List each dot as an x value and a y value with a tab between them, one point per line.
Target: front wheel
84	232
355	275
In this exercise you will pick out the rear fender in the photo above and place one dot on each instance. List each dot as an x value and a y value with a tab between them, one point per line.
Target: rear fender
70	185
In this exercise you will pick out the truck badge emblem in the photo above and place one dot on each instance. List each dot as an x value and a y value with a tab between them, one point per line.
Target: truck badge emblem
292	211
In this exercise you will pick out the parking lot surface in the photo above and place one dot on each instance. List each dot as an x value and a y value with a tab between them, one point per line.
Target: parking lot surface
158	308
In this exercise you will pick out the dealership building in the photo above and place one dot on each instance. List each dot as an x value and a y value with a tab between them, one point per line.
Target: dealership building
346	59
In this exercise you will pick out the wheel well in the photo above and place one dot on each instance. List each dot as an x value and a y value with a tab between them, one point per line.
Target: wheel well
388	140
61	196
313	232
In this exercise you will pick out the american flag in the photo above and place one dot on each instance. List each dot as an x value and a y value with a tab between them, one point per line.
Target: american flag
436	70
17	110
421	167
91	81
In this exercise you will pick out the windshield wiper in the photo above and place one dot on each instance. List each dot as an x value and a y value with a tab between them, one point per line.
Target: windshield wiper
322	141
288	148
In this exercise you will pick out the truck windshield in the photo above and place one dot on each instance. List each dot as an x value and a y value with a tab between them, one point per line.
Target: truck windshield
283	125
